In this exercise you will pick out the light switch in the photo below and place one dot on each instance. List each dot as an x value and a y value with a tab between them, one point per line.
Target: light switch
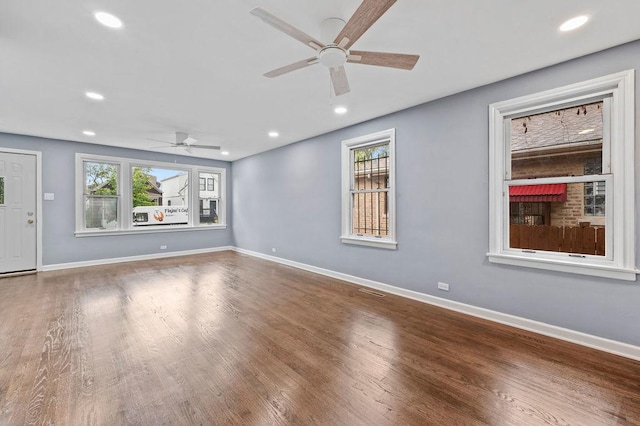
49	196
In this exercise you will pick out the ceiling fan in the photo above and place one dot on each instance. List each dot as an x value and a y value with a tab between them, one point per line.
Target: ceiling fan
184	140
334	55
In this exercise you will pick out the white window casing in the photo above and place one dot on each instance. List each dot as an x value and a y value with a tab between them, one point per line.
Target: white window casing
125	206
348	146
618	93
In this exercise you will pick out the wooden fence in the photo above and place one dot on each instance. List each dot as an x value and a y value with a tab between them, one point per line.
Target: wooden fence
581	239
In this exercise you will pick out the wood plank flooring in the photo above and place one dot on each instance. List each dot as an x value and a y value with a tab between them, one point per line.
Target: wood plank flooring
224	338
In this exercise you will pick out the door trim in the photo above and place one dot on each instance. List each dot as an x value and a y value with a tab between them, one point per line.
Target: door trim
38	155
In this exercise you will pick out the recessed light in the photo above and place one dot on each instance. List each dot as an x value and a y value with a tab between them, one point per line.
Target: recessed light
273	134
585	131
89	133
95	96
340	110
108	20
224	152
574	23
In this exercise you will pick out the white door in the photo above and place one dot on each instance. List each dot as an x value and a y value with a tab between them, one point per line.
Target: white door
17	212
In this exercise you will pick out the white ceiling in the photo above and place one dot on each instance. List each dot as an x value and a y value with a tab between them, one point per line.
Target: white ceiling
197	65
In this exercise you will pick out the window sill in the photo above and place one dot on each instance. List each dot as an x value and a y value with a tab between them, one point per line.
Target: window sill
371	242
148	230
561	266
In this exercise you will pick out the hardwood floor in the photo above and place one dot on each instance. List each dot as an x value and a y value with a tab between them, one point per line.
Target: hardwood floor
224	338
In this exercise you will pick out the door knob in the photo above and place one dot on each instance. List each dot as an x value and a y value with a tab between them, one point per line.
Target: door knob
30	221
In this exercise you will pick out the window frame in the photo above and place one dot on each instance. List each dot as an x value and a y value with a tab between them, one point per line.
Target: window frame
618	171
80	212
125	182
348	146
217	200
166	166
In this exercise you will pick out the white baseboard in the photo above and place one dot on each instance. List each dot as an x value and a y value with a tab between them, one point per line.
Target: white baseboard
595	342
58	266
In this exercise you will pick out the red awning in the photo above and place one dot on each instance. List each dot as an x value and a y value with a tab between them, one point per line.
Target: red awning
550	193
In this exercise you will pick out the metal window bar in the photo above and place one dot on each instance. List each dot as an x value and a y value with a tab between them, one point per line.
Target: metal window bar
527	213
369	196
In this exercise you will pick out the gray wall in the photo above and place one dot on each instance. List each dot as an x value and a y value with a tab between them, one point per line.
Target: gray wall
289	199
58	176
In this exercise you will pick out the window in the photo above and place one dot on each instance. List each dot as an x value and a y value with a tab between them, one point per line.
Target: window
157	196
368	190
1	190
151	201
561	165
101	196
209	199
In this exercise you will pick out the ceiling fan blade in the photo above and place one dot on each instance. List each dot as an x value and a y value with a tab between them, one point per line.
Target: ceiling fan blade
286	28
158	140
363	18
292	67
339	81
204	146
391	60
169	145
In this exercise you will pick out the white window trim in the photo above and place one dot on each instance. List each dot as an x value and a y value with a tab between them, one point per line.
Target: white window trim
347	237
125	226
621	265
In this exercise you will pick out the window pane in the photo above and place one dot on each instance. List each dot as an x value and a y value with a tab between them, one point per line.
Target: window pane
371	167
101	189
565	142
209	198
101	212
208	211
100	178
370	214
558	217
159	196
1	190
202	188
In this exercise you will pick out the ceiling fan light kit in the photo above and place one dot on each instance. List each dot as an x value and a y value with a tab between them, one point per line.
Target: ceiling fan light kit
332	56
335	54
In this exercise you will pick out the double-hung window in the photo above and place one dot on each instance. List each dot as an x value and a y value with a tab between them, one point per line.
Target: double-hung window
100	203
209	198
562	179
368	190
121	195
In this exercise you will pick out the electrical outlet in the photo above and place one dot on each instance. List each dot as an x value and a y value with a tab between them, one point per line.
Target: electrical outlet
273	249
163	247
443	286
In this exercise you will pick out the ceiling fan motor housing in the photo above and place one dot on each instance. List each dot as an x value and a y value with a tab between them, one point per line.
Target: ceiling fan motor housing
332	56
